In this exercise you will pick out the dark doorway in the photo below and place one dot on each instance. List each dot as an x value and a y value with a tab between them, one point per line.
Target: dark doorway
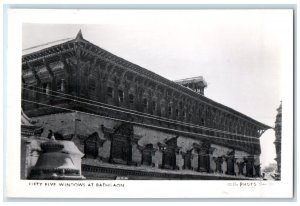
169	159
147	155
230	166
169	151
203	161
230	163
249	167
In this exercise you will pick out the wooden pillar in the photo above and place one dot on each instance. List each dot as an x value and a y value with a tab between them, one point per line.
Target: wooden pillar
116	83
36	95
126	93
66	79
77	82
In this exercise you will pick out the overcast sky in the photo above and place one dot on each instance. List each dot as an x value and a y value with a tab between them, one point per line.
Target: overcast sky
239	53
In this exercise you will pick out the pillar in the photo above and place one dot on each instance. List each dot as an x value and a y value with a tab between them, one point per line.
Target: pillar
136	155
179	161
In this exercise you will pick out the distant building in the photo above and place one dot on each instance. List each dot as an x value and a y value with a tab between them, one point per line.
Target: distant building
277	141
131	123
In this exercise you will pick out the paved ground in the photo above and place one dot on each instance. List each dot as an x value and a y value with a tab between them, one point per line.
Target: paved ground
269	176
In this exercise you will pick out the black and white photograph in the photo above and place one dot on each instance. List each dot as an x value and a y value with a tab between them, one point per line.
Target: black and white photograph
191	96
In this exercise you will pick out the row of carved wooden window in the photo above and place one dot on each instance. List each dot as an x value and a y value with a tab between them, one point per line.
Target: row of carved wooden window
110	93
210	117
36	92
46	87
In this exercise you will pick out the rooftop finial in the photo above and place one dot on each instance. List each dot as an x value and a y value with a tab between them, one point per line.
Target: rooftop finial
79	35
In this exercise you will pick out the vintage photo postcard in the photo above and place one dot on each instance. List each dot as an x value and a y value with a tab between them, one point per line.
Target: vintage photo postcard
116	103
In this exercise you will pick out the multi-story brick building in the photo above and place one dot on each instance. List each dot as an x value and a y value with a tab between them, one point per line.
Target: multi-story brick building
129	121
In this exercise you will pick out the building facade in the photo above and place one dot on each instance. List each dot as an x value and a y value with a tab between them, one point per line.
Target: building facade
130	122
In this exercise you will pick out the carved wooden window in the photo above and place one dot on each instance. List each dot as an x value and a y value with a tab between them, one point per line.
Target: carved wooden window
131	98
147	158
145	103
162	108
169	110
121	95
169	154
92	85
176	113
153	105
44	87
121	144
121	150
58	85
169	158
147	155
189	117
180	105
109	92
202	122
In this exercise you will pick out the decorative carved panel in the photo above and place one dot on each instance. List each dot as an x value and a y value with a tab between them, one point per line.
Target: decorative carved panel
204	150
121	150
122	139
169	158
203	162
91	145
147	152
169	150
